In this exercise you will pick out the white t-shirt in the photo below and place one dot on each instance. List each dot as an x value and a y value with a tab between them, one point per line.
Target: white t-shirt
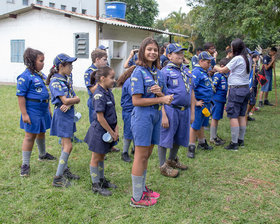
238	74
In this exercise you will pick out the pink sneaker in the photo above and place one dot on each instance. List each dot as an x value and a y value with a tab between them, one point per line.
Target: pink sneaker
150	193
144	202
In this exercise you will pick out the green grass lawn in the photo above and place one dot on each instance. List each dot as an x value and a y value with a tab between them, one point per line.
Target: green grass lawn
219	187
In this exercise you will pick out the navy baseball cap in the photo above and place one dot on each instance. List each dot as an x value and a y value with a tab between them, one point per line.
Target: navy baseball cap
255	53
63	58
102	47
174	47
204	55
249	51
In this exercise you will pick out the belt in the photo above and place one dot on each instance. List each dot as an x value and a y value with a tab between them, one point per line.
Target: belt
37	100
157	106
179	107
242	86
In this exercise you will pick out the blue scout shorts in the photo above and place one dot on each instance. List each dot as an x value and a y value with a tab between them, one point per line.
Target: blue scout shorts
199	119
127	133
94	139
218	110
63	124
237	102
179	128
145	125
39	116
268	86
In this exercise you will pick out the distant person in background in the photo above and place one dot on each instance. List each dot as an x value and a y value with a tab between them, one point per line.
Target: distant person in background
269	63
163	57
33	100
102	47
195	57
239	92
229	54
132	58
211	49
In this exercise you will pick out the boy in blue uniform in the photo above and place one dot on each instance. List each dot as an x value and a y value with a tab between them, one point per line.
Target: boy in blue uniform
127	107
163	57
33	99
99	59
176	117
269	63
219	100
195	57
203	89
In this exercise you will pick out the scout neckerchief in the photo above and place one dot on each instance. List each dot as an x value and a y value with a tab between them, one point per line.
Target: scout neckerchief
153	71
68	84
184	76
209	77
42	76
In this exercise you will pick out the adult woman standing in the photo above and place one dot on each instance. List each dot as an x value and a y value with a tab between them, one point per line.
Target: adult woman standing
238	96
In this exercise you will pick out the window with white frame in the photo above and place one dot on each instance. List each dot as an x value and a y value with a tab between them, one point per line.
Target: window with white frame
39	2
17	50
51	4
25	2
63	7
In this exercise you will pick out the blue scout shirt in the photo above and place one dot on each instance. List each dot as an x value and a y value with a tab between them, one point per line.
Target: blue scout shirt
91	69
133	60
103	101
221	86
194	61
126	99
203	86
59	87
142	80
266	61
163	58
32	86
175	83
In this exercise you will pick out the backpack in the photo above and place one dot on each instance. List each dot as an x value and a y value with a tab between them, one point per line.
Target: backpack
261	77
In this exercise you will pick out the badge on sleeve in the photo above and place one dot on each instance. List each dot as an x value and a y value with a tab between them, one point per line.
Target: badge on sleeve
97	96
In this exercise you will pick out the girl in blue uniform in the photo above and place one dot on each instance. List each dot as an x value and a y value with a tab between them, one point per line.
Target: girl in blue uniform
127	107
176	117
63	125
33	100
146	88
104	120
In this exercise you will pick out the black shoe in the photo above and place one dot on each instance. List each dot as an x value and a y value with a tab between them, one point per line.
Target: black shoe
47	156
240	142
76	140
24	170
232	146
250	118
96	188
106	183
125	157
217	141
204	146
221	140
260	103
70	176
191	151
60	181
266	102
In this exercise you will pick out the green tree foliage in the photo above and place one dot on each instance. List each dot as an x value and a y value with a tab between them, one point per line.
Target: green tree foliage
141	12
255	21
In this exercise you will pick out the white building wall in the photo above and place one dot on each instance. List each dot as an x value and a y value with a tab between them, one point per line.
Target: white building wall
48	32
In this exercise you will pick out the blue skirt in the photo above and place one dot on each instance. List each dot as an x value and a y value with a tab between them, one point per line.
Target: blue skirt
39	116
63	124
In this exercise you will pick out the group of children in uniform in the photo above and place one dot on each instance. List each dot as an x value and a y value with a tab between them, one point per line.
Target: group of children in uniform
168	107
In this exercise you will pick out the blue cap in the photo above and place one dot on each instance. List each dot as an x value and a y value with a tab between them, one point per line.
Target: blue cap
174	48
204	55
102	47
255	53
63	58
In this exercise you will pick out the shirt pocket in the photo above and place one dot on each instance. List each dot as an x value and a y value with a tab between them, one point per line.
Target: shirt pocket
148	83
174	80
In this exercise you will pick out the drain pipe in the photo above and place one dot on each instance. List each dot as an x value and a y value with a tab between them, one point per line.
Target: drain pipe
97	24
